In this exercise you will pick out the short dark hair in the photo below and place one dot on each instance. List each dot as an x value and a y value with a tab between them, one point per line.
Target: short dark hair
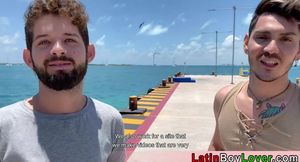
289	9
71	9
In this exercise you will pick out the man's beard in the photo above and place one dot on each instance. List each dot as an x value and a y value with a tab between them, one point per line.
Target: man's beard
61	80
269	79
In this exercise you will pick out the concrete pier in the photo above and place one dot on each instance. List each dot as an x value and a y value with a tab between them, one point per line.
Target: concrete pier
186	123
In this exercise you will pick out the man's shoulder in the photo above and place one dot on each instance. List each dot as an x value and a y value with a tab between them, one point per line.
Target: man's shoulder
222	93
10	113
10	109
105	109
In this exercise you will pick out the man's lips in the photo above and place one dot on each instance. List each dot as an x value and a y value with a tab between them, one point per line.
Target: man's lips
60	65
269	63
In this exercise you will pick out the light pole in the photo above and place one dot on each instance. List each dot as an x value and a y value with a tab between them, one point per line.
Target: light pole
155	53
216	61
216	57
233	42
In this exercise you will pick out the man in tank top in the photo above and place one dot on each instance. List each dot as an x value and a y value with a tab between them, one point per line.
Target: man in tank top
59	123
264	112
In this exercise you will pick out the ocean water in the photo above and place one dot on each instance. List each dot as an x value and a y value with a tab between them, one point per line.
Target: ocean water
110	84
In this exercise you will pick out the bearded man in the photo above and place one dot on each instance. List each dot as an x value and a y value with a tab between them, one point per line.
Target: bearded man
59	123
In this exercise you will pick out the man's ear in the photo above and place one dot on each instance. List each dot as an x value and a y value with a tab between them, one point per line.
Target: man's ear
91	53
246	41
298	54
27	58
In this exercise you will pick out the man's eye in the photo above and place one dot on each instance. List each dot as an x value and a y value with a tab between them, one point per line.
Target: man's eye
286	39
70	41
43	42
262	37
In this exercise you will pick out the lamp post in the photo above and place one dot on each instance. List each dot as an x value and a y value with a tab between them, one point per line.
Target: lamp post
216	57
233	42
216	61
155	53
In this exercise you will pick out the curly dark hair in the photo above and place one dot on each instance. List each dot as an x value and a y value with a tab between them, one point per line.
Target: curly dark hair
289	9
71	9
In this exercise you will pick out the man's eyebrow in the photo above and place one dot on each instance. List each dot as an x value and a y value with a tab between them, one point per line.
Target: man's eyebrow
282	34
72	34
288	34
262	32
40	36
67	34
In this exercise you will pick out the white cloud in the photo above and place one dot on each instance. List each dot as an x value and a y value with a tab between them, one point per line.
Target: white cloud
119	5
228	41
210	46
150	29
8	39
247	19
145	28
189	53
206	24
193	45
194	52
180	46
100	42
103	19
158	29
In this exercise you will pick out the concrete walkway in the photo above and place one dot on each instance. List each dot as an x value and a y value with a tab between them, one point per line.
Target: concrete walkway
185	124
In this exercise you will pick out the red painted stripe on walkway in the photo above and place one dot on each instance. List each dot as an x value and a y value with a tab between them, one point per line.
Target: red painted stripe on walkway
148	121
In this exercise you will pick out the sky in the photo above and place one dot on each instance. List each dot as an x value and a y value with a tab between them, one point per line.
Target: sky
173	32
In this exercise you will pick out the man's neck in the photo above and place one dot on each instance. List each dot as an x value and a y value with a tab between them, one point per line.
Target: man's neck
59	102
263	89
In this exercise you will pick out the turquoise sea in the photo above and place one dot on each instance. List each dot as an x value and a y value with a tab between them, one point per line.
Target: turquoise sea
110	84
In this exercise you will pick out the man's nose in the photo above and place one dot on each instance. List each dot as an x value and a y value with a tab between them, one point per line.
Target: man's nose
272	47
58	49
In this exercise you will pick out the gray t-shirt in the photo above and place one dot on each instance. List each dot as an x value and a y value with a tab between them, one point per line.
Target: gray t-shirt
85	136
